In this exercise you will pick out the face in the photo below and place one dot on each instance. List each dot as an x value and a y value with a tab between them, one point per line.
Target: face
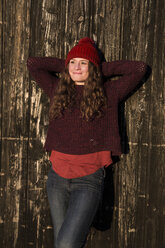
78	70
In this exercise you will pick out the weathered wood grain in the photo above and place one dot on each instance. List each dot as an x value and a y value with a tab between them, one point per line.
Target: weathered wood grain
124	30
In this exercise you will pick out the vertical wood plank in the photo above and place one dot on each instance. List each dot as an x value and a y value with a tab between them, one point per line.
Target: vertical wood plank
14	122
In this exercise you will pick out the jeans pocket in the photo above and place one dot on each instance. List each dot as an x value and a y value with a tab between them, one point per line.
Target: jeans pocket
99	175
51	181
95	180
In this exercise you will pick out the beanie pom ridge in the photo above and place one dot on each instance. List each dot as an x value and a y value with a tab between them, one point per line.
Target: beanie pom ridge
86	40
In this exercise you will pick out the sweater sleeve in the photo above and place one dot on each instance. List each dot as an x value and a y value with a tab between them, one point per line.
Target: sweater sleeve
42	69
131	72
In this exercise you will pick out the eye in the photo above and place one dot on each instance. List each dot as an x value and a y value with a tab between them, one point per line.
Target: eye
84	63
71	62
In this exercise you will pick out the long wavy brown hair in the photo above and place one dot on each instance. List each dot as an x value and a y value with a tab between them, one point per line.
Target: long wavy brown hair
93	98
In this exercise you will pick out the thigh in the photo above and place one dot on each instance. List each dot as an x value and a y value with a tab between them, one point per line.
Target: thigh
84	201
58	196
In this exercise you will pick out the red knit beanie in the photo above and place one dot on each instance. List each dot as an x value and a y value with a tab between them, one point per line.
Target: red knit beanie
84	49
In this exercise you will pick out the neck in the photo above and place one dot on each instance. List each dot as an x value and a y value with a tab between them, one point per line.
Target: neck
79	83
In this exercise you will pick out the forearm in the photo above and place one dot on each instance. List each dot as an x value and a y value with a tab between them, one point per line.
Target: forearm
45	63
123	67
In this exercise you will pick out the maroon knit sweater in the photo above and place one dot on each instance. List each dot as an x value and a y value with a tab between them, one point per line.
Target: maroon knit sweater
73	135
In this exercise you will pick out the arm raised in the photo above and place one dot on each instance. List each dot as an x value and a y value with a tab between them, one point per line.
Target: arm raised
42	69
131	72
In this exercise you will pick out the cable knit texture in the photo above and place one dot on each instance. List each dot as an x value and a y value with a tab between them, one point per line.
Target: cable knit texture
84	49
73	135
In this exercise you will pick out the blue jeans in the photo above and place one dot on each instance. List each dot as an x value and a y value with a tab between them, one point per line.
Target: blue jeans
73	205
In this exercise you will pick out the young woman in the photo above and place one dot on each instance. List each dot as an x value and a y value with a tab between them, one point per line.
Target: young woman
83	132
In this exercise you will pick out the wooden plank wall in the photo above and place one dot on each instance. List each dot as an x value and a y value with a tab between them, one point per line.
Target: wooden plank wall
124	30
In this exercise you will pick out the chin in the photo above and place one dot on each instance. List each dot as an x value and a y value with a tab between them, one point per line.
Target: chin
77	79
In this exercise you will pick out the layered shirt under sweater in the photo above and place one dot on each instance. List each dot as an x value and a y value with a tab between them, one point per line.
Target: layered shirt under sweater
73	135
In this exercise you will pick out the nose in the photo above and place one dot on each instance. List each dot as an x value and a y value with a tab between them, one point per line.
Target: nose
77	66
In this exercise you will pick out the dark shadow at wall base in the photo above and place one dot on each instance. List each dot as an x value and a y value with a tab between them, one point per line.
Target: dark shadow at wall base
103	217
